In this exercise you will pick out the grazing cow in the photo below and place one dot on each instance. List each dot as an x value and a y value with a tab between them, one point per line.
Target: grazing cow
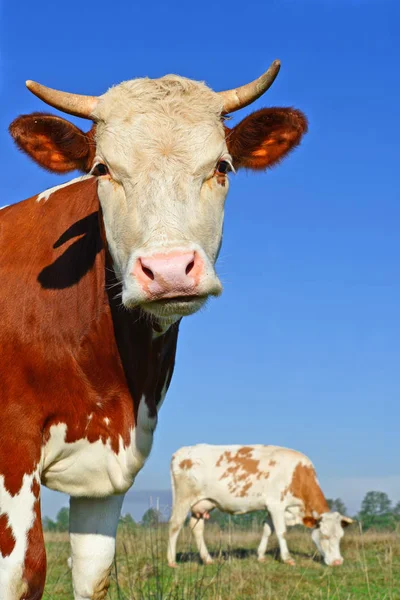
242	479
96	276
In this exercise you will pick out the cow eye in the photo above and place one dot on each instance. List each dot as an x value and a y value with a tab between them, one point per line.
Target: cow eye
223	167
99	170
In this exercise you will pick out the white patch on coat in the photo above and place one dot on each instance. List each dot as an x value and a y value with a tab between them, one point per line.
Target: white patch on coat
84	468
142	440
47	193
19	510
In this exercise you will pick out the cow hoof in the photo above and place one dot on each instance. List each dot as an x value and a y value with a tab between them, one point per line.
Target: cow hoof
290	561
209	561
173	565
261	559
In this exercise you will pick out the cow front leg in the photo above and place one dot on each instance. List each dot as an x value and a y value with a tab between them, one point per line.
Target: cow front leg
22	552
262	548
279	523
93	528
197	527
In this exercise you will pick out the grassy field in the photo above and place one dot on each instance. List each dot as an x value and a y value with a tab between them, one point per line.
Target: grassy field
371	569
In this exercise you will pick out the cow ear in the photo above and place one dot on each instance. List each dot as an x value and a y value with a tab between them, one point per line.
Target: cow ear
266	136
53	142
310	522
346	521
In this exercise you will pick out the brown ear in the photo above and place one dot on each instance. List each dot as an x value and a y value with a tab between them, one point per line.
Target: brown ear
310	522
346	521
265	137
53	142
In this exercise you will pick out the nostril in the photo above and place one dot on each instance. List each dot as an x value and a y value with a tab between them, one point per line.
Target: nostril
147	272
189	267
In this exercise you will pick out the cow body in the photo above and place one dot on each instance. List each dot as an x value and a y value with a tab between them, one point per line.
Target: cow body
96	276
85	378
242	479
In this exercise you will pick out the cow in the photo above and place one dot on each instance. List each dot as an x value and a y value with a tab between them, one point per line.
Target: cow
97	274
242	479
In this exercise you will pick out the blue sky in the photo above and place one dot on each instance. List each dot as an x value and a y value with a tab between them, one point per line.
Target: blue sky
302	349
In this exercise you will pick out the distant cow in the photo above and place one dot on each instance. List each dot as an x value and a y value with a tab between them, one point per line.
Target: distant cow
242	479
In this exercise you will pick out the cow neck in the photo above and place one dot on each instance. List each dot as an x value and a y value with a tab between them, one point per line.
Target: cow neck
147	358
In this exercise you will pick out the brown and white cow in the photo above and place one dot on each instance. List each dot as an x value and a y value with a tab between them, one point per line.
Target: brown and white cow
96	275
242	479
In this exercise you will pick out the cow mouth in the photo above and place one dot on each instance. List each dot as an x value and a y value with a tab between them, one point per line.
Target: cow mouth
179	299
177	305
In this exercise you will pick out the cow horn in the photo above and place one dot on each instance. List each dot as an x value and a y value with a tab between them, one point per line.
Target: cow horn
73	104
246	94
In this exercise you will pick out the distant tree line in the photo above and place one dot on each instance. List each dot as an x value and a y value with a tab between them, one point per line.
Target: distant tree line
376	512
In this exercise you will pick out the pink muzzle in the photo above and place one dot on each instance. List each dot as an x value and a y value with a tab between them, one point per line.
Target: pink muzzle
338	562
164	276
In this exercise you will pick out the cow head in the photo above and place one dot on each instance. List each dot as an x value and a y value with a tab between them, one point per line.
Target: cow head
161	153
327	535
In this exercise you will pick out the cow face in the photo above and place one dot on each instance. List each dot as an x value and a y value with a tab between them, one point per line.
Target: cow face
164	191
162	157
327	537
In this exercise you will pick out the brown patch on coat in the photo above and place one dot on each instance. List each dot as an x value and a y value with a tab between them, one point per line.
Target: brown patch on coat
244	490
186	464
305	487
272	463
35	488
7	539
242	471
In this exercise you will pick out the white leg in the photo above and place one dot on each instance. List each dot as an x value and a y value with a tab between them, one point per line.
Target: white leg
197	527
179	513
278	520
262	548
93	527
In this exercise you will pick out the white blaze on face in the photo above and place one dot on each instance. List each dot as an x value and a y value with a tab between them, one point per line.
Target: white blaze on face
327	537
161	141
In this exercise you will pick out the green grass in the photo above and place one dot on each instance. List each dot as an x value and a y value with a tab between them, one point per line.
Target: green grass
371	569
